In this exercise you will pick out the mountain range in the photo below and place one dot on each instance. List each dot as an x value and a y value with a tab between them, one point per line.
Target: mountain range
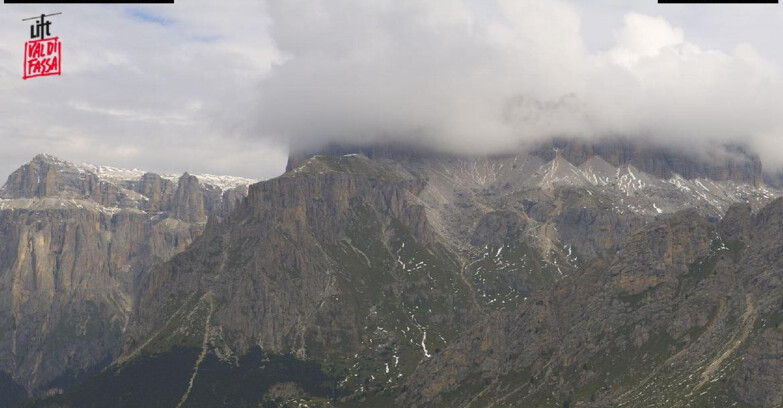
75	242
574	273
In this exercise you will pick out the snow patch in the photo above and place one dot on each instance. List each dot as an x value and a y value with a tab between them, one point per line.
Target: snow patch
424	345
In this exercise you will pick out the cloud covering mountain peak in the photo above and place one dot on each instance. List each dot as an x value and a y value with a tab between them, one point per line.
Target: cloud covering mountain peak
484	77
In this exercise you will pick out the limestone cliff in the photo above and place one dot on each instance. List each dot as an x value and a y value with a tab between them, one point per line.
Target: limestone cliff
75	241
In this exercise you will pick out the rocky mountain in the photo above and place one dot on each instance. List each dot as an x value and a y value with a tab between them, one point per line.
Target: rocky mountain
75	242
572	274
719	163
689	313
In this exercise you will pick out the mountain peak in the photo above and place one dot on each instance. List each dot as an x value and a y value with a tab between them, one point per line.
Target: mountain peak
47	158
50	181
27	180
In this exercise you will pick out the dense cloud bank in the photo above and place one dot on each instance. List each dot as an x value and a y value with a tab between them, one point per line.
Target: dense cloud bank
466	76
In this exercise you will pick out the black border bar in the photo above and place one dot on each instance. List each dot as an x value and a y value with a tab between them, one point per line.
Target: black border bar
717	1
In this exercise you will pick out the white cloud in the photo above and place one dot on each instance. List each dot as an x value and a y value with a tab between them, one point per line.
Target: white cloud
468	77
142	86
225	86
644	37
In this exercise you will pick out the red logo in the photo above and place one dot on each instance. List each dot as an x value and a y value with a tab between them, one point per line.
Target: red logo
42	57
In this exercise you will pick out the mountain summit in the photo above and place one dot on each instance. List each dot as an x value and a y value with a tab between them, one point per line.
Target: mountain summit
75	241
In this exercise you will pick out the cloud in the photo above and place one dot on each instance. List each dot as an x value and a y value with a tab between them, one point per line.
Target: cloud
142	86
644	37
226	86
466	76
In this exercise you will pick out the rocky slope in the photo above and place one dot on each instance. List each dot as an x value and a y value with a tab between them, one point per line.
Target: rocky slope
407	279
687	314
75	241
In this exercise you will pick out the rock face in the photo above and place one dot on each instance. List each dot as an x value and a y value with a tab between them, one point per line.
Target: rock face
774	178
684	315
74	244
335	261
720	163
559	277
189	198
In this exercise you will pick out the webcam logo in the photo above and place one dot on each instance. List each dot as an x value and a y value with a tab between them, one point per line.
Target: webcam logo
42	54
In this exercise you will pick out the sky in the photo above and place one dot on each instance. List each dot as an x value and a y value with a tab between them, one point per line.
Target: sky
228	87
